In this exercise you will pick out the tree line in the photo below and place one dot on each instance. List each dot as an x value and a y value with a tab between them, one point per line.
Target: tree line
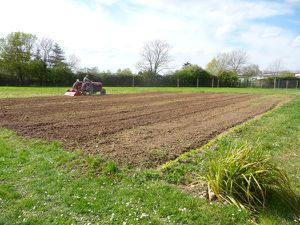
27	60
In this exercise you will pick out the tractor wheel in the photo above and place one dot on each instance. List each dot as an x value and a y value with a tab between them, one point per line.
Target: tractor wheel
103	92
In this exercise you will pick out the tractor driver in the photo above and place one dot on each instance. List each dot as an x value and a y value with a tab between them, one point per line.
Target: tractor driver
87	83
86	79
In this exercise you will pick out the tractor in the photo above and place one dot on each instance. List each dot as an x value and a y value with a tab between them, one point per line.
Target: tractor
87	88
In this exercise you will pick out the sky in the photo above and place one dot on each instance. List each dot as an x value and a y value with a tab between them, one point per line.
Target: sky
109	34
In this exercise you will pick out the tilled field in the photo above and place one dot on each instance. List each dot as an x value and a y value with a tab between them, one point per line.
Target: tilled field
139	129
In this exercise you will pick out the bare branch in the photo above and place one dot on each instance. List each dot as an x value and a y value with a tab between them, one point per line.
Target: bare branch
46	47
154	57
275	67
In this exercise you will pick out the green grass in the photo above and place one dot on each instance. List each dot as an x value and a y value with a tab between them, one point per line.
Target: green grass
277	133
24	92
18	92
41	183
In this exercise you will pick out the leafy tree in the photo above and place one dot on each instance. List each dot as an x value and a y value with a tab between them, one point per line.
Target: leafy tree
189	74
192	71
124	72
37	70
212	67
286	74
16	51
228	77
59	70
234	61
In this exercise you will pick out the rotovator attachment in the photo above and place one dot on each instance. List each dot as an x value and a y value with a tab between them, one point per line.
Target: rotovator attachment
72	92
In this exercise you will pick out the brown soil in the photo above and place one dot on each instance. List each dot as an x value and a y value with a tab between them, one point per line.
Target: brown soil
139	129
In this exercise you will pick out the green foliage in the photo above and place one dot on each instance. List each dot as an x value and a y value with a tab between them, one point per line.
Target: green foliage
124	72
20	64
286	74
245	176
57	58
212	67
230	78
192	72
16	52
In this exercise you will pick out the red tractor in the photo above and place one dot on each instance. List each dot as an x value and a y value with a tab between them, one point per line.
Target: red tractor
87	88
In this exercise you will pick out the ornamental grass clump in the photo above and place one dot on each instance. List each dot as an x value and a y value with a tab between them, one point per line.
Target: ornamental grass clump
246	177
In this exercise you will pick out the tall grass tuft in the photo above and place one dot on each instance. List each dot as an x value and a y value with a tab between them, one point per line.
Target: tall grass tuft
246	177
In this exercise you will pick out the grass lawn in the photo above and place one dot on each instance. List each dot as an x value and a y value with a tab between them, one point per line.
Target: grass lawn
41	183
19	92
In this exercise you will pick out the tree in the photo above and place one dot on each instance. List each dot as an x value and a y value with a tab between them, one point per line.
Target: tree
154	57
251	71
232	61
228	77
45	47
37	70
237	59
286	74
124	72
59	70
187	64
73	63
275	67
192	71
191	74
212	67
57	57
16	51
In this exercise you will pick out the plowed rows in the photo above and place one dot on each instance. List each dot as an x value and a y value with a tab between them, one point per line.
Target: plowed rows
139	129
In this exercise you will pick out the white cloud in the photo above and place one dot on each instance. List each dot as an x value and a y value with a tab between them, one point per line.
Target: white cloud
110	33
225	31
270	32
296	42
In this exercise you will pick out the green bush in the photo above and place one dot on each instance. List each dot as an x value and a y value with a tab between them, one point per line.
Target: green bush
246	177
228	77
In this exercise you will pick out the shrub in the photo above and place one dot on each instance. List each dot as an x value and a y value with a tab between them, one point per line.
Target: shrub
246	177
228	78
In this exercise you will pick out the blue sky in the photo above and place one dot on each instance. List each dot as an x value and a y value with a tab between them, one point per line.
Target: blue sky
109	34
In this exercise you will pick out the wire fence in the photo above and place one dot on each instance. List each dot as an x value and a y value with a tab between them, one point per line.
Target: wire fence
167	81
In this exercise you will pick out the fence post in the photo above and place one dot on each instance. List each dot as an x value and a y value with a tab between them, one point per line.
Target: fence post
286	84
132	80
251	83
278	84
212	82
274	82
197	82
177	82
218	83
297	84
